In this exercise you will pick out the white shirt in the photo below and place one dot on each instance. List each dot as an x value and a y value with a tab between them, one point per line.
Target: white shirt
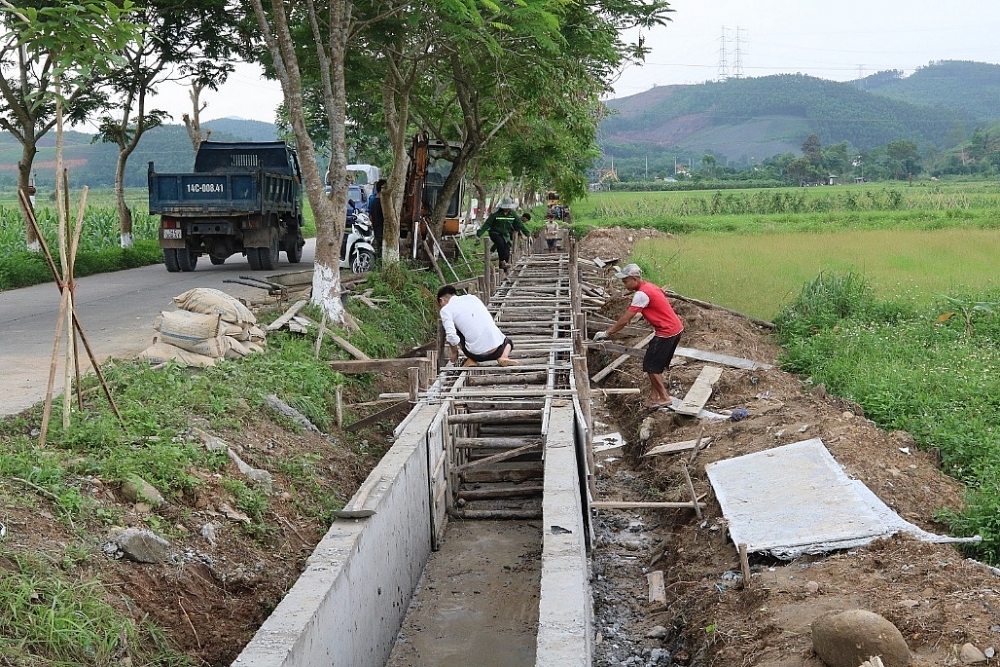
466	313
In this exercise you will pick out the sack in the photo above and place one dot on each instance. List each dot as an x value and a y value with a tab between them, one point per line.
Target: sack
161	353
215	302
220	347
183	328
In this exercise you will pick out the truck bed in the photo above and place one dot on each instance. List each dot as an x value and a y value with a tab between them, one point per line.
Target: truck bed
221	193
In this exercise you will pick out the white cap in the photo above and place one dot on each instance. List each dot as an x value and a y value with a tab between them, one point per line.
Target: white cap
506	202
629	271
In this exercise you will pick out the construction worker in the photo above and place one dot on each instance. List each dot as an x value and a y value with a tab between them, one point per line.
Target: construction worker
501	226
650	300
469	325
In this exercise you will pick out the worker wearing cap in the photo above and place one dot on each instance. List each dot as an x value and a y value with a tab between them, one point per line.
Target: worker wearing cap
501	226
651	302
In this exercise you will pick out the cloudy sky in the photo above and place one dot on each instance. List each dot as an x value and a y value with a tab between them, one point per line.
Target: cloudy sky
835	40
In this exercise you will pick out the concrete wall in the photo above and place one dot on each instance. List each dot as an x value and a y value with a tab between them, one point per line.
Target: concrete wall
565	615
347	607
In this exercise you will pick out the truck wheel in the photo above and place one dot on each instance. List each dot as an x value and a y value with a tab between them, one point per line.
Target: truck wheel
170	259
187	259
293	250
363	261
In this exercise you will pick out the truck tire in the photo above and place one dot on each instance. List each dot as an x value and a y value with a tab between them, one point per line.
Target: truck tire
293	250
362	261
180	259
264	259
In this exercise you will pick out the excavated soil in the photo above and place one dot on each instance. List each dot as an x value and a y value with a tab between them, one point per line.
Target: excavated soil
215	593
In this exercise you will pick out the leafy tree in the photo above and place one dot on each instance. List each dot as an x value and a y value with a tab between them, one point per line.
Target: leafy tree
180	38
812	149
904	159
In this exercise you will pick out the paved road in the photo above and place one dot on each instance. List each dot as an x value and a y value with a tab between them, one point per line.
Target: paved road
116	311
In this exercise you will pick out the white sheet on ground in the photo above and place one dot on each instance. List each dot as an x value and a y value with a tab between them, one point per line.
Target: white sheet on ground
797	499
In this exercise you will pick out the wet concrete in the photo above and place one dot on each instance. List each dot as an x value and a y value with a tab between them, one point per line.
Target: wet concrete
477	601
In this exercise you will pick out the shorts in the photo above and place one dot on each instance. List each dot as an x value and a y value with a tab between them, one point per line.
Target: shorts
659	353
551	243
489	356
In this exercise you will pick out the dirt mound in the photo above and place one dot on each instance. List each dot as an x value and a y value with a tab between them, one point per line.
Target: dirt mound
937	598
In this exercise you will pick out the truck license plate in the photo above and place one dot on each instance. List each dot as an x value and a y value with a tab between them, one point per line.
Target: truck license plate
172	233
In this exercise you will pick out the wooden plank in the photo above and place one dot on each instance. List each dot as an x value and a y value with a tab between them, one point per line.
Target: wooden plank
676	447
493	493
402	406
495	416
353	351
289	314
506	472
718	358
606	371
699	392
497	458
628	504
374	365
657	589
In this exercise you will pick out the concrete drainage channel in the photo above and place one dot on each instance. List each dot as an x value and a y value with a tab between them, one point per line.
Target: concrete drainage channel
474	547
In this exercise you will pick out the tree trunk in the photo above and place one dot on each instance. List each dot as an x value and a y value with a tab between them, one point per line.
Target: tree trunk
396	108
124	213
28	152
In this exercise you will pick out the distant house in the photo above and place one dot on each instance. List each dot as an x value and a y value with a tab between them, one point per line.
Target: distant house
830	180
860	179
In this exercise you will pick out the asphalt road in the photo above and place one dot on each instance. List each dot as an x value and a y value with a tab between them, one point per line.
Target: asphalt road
116	311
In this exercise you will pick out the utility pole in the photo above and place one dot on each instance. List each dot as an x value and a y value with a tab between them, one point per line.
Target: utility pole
738	64
647	168
723	65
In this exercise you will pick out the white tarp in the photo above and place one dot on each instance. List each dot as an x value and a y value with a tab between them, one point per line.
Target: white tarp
797	499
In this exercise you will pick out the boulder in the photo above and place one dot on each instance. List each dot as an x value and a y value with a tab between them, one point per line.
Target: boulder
138	490
848	638
142	546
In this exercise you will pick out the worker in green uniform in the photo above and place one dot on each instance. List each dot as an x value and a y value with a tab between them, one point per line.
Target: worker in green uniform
501	225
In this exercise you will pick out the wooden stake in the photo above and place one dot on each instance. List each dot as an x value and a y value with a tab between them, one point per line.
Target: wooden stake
338	391
322	330
745	565
690	486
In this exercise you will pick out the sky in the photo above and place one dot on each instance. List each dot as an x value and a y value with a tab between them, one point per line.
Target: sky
838	40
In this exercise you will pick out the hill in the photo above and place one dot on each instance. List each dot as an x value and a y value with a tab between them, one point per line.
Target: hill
760	117
93	164
967	86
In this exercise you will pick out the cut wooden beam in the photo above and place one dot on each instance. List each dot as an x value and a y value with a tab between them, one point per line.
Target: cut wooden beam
699	392
492	416
519	514
629	504
492	493
497	458
402	406
353	351
372	365
676	447
496	443
606	371
506	472
289	314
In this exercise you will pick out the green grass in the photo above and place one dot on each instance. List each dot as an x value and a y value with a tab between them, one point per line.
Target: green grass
757	273
912	370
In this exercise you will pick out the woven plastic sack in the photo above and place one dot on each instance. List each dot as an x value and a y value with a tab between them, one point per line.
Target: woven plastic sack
161	353
212	301
184	328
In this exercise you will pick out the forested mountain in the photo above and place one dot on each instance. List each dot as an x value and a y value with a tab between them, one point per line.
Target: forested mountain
954	84
745	120
93	164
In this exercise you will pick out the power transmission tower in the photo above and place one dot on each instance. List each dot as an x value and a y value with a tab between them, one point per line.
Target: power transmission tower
738	64
723	64
861	77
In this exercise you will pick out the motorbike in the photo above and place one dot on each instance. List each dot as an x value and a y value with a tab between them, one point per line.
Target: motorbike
357	249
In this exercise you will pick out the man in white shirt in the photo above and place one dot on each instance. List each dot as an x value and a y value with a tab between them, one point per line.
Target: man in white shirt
468	324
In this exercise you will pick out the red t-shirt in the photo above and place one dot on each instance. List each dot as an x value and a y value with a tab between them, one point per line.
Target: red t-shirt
650	300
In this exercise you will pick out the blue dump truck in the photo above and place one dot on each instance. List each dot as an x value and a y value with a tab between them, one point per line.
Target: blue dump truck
241	198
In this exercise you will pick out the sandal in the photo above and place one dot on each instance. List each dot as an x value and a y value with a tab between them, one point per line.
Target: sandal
469	363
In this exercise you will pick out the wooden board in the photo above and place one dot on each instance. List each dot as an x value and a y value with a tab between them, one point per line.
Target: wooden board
676	447
723	359
657	590
700	391
372	365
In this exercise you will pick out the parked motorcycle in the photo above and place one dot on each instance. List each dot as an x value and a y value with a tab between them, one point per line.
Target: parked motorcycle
357	249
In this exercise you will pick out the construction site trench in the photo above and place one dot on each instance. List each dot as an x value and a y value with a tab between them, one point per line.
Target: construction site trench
538	515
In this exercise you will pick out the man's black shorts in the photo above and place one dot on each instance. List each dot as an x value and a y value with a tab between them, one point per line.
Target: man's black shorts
489	356
659	353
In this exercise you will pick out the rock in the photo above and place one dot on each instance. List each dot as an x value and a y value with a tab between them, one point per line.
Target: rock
970	655
812	587
909	603
137	490
659	656
657	632
142	546
848	638
209	531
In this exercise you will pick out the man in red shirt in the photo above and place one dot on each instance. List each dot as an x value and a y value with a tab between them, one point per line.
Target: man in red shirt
650	300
